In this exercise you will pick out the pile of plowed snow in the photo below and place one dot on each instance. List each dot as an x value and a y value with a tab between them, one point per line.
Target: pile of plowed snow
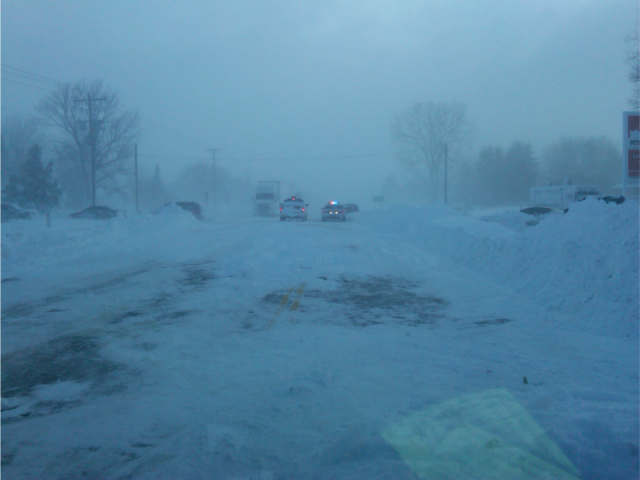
583	263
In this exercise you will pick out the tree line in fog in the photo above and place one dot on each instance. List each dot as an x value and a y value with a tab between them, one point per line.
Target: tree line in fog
79	148
439	165
88	139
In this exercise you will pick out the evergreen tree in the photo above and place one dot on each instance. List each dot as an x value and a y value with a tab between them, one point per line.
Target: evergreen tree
33	186
157	186
521	172
584	160
153	191
488	175
503	179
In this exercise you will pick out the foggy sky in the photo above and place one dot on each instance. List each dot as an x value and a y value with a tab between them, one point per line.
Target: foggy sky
291	79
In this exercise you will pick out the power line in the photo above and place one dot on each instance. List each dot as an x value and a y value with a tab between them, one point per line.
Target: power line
30	78
50	80
192	143
25	84
22	113
164	136
175	158
265	160
168	130
40	78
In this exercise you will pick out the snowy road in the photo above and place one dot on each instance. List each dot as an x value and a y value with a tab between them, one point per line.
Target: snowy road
250	348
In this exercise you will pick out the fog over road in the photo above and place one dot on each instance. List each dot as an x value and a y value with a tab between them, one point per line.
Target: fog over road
251	348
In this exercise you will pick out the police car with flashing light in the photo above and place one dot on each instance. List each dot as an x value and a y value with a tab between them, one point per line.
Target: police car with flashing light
334	211
293	208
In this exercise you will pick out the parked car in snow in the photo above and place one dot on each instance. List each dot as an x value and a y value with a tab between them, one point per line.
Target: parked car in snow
293	208
97	213
351	207
192	207
334	211
11	211
537	211
617	199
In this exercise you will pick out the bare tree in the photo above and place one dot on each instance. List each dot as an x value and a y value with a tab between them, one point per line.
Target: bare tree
428	132
97	135
633	60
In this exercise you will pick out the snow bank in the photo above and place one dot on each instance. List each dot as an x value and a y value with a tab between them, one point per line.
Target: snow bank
583	263
30	244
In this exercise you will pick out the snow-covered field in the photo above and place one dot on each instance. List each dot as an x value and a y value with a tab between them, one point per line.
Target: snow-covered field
405	343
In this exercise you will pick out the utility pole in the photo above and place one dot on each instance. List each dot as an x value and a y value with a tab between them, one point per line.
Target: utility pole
135	159
215	193
92	141
445	172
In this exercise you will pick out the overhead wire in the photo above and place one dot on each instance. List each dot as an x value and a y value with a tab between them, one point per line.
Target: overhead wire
164	135
265	160
25	84
32	75
10	70
22	113
168	130
190	142
27	77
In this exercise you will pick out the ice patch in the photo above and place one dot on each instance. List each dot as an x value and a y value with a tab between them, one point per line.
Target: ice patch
224	439
60	391
11	403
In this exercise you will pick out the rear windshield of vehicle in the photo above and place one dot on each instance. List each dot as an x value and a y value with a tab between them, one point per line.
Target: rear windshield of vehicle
581	194
264	196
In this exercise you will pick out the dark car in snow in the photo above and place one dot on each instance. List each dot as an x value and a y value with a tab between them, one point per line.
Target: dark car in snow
351	207
191	207
96	213
537	211
12	212
617	199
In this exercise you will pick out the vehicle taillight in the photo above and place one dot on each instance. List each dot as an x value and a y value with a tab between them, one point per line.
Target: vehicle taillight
280	208
341	211
303	209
